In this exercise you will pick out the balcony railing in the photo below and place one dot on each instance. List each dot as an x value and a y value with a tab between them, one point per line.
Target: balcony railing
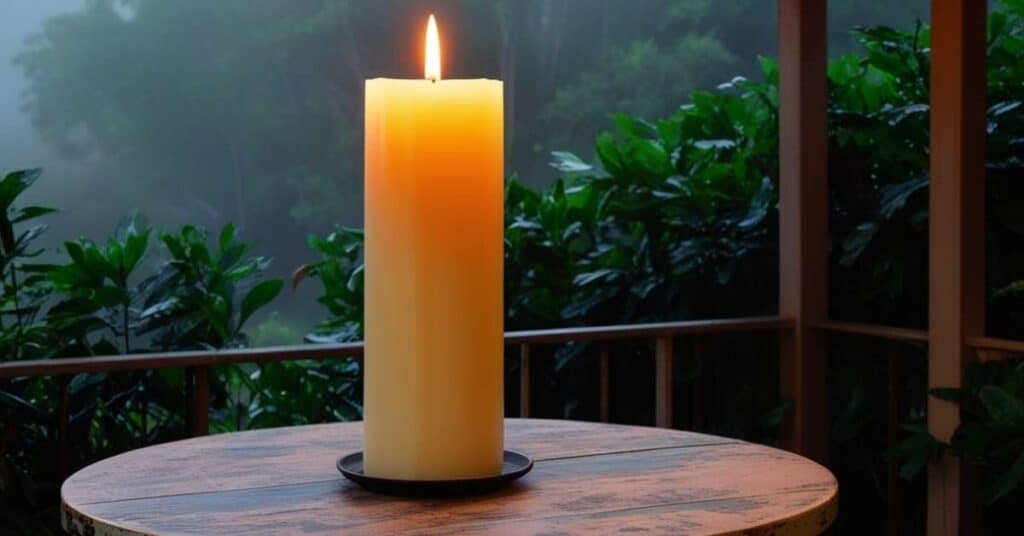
197	363
664	335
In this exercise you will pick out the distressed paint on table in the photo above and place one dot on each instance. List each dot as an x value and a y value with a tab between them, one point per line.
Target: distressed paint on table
588	478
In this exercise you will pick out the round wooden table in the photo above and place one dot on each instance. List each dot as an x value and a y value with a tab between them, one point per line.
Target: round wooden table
588	478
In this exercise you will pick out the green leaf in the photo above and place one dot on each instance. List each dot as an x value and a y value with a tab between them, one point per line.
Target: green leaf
227	236
1002	407
175	245
949	394
1017	287
609	154
28	213
166	306
76	253
1008	481
569	163
258	296
632	126
914	452
135	248
773	419
1001	108
759	204
895	196
589	277
706	145
108	296
858	241
14	183
242	271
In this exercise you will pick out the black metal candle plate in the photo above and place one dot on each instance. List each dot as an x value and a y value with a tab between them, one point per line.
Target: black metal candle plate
513	466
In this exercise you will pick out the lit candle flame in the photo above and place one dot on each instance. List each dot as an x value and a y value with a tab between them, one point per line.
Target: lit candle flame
432	70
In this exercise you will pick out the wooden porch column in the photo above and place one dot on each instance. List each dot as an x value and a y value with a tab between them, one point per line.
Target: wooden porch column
956	242
803	220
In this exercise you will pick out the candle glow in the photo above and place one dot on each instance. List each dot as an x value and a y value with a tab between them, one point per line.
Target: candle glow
432	65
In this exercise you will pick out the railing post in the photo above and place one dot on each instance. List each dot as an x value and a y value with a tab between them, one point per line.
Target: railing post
524	381
63	421
894	484
605	387
803	221
197	382
697	396
956	245
663	382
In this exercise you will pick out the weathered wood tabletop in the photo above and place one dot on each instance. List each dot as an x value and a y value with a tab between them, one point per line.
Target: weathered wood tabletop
588	478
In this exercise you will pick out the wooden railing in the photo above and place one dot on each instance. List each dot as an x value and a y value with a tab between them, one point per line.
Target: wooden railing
197	363
664	335
986	349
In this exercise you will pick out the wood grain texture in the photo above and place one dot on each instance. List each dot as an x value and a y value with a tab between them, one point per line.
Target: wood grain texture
588	478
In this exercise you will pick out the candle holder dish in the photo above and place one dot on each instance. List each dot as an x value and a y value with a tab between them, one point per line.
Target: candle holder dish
513	466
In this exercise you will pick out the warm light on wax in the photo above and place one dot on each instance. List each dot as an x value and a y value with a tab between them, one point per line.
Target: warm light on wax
433	403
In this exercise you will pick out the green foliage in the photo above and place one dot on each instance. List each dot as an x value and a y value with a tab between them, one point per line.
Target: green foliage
992	434
96	302
679	211
196	300
340	270
24	284
96	297
297	392
582	105
22	337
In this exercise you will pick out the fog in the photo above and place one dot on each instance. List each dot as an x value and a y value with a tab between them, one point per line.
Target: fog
208	112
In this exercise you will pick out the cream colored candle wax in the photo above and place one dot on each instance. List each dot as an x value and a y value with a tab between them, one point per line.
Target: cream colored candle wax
433	403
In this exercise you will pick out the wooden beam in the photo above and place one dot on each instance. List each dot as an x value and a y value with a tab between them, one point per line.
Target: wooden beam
956	243
803	220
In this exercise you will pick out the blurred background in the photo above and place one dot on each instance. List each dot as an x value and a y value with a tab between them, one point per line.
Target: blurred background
250	111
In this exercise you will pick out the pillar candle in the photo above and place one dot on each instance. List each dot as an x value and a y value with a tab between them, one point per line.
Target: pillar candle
433	402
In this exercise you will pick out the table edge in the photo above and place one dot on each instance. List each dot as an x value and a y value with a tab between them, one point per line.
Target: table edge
816	517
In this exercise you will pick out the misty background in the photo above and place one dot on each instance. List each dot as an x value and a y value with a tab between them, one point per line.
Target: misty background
250	111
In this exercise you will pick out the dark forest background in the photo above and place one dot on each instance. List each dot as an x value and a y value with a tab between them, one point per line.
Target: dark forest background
251	111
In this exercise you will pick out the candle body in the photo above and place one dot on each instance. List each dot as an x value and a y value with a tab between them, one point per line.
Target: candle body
433	402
